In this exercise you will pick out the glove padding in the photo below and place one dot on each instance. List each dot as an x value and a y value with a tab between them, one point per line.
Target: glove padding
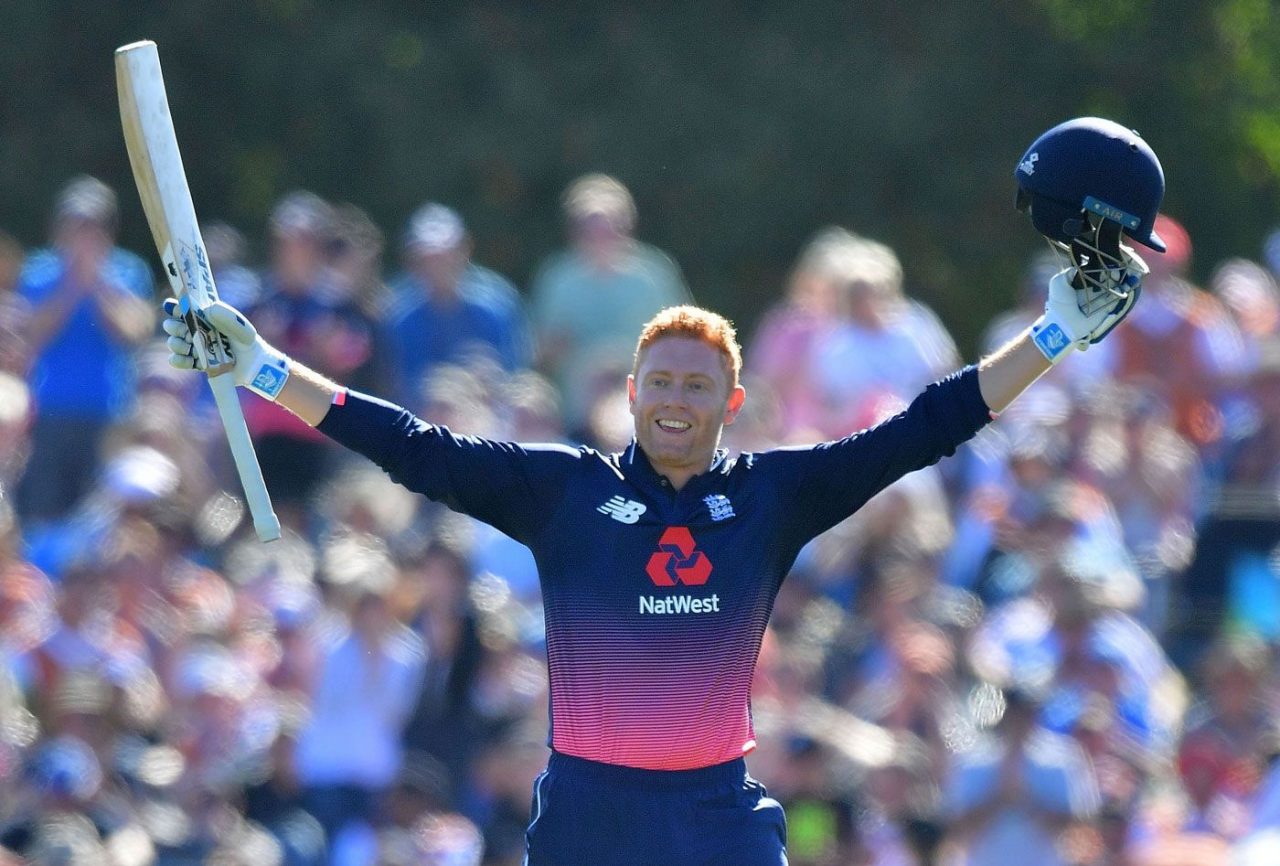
219	339
1076	318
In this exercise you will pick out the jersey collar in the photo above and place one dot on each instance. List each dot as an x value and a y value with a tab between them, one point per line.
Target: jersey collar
637	469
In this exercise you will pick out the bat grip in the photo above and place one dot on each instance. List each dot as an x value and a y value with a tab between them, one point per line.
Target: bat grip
265	522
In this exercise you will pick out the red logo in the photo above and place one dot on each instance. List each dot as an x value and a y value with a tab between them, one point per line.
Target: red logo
678	560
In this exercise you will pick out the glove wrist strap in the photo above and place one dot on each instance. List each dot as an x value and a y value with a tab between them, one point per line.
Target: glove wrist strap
268	374
1052	339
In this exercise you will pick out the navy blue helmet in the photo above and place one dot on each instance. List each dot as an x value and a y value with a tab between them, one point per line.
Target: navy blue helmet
1091	166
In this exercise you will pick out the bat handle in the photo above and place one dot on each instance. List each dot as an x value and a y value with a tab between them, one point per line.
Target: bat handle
265	522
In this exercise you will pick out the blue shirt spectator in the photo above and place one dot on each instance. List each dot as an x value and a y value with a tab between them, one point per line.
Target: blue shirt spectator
1018	791
448	309
84	368
90	304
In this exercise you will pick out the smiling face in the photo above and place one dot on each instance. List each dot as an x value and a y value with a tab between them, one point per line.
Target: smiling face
681	398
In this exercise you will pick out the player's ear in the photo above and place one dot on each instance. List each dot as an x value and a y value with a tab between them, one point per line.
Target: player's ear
631	390
736	398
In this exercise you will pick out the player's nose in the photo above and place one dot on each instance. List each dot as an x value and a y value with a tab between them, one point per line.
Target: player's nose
674	398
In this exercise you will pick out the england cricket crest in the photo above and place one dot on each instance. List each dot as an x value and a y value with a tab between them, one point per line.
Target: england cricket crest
719	506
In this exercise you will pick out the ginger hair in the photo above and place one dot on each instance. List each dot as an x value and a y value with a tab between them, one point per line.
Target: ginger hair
690	321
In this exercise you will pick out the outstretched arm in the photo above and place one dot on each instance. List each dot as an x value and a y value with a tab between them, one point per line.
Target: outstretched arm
1008	371
511	486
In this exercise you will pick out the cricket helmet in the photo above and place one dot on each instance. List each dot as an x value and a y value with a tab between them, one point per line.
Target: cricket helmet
1085	172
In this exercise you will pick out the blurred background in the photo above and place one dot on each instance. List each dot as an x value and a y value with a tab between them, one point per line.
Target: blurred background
738	126
1058	645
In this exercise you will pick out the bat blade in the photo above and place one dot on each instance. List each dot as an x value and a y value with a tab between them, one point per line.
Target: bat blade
166	198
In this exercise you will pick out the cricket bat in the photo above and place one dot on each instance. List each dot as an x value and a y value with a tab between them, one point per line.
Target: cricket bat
166	199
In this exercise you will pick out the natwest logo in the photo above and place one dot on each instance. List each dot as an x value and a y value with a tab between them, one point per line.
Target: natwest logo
678	560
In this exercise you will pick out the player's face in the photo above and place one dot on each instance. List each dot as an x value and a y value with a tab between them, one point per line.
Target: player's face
681	399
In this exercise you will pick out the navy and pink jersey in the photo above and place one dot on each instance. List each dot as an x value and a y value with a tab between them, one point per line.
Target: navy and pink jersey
655	600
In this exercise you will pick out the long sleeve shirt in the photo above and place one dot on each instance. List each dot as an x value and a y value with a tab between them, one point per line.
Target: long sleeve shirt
655	600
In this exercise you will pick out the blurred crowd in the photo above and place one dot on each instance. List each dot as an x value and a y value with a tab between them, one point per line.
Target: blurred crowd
1056	646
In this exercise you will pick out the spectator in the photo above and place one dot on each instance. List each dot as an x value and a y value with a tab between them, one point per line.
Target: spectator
812	305
276	804
26	595
1221	752
1231	577
216	720
885	349
355	260
415	824
1019	791
1076	642
88	639
447	308
88	299
349	751
847	348
1154	478
1181	343
1249	293
238	285
302	307
1264	810
901	798
821	828
911	692
444	723
590	300
72	811
505	769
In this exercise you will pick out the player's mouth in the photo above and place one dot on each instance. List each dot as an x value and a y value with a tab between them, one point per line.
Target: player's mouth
671	426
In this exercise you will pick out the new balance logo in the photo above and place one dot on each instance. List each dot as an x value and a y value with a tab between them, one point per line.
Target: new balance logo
623	510
678	560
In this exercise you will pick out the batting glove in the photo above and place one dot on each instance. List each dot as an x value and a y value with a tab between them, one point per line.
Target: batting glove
1076	318
219	339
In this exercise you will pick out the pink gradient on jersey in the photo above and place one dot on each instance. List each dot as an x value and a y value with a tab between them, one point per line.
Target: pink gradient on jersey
661	703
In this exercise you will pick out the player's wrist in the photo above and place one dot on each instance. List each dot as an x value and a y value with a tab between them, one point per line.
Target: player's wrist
1053	338
264	371
1064	327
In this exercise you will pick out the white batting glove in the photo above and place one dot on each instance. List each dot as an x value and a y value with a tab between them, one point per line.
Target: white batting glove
1076	318
219	339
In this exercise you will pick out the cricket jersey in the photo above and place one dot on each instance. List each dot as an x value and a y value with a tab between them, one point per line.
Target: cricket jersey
655	600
